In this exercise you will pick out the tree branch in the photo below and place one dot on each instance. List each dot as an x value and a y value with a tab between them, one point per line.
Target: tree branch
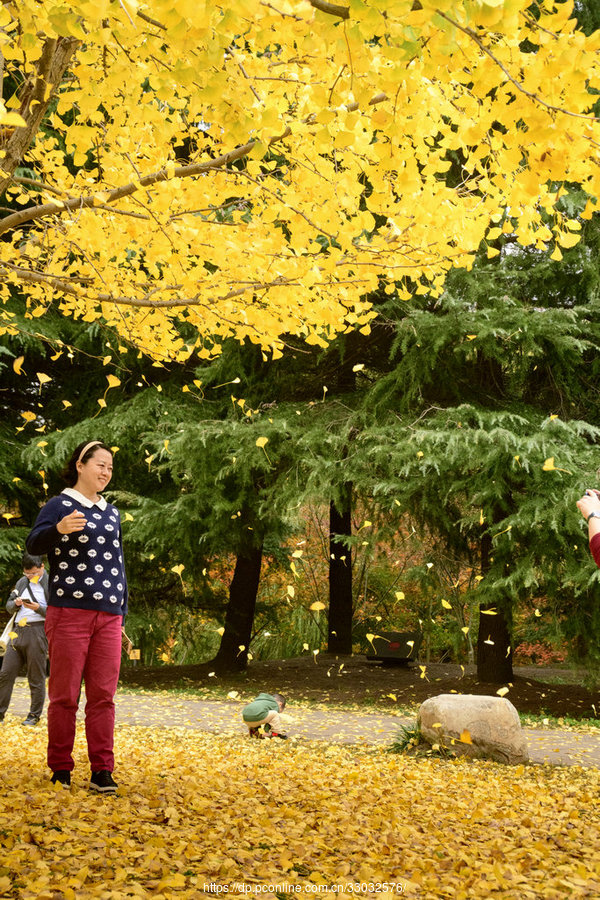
32	214
475	37
343	12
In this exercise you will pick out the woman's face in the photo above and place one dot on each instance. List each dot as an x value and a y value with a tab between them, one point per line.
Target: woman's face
95	473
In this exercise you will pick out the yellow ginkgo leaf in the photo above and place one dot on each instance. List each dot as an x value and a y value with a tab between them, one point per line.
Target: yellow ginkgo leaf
17	365
316	606
502	691
446	605
178	569
43	378
221	631
22	623
465	736
113	381
549	465
262	441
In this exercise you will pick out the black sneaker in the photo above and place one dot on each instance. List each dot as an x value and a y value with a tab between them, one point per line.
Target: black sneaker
275	734
103	782
62	777
30	720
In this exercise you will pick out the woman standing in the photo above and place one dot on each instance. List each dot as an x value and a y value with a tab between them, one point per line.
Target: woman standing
81	533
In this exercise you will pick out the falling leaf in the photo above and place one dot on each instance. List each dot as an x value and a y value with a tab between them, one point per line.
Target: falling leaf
399	595
446	605
465	737
17	364
537	613
262	441
317	605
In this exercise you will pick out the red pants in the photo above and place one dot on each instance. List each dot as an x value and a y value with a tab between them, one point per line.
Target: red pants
82	644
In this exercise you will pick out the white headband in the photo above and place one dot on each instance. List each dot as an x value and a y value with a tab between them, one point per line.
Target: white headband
86	448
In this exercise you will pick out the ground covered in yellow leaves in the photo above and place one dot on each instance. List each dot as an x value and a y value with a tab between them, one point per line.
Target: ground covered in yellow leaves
204	815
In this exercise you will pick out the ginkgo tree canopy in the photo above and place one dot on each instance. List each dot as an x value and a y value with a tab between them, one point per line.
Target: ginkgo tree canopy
199	170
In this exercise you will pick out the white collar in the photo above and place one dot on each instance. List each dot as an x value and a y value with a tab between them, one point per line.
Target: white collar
76	495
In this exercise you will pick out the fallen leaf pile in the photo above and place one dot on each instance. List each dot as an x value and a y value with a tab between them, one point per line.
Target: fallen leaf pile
197	811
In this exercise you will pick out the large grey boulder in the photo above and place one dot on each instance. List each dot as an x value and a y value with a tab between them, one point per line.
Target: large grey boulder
475	726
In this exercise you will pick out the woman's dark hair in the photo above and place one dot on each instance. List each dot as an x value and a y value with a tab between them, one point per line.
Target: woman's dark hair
69	473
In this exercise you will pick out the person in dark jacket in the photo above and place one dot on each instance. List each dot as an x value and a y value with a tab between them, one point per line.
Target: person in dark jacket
81	533
265	711
29	648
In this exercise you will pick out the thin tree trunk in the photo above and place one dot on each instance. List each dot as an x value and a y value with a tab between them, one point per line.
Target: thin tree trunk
36	96
239	617
339	638
494	646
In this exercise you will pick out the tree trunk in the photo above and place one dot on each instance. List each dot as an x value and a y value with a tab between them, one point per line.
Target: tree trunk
494	646
239	617
339	637
494	651
36	97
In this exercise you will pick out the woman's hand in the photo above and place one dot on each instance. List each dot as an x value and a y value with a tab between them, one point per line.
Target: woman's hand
75	521
590	502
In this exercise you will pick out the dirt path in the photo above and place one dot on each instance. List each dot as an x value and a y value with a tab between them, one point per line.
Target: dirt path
548	746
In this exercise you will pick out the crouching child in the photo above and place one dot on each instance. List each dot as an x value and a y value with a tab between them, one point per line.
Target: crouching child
265	711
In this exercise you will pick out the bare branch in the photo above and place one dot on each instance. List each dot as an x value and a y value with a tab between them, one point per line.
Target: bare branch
343	12
150	21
